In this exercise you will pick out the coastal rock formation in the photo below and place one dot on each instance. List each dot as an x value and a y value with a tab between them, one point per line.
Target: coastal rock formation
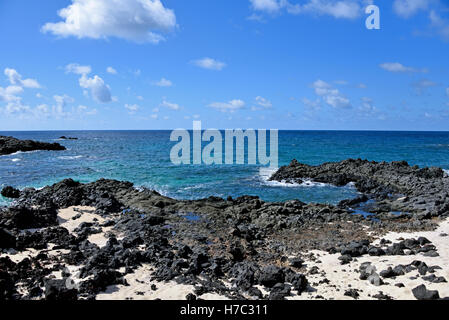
10	192
397	187
208	242
10	145
67	138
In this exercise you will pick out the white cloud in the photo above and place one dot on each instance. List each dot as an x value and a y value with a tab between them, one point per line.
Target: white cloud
209	63
230	106
16	79
169	105
163	83
100	91
407	8
312	105
422	85
61	104
330	95
440	24
111	70
132	108
10	93
134	20
265	5
399	68
77	69
154	116
340	9
263	102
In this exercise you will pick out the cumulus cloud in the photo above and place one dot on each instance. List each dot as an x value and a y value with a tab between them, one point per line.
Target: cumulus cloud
77	69
399	68
134	20
170	105
16	79
12	93
422	85
111	70
340	9
266	5
231	106
99	90
441	25
209	63
61	103
407	8
163	83
132	108
330	95
261	104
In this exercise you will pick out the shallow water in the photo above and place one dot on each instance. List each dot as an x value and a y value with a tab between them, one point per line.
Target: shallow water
143	157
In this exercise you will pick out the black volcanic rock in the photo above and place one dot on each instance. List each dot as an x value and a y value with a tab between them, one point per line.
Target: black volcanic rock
397	186
67	138
10	145
421	293
10	192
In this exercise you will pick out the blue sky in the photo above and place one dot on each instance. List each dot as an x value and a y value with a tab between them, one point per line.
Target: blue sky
149	64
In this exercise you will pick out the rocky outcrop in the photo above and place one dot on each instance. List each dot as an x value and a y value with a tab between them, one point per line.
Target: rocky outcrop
243	241
10	145
397	187
10	192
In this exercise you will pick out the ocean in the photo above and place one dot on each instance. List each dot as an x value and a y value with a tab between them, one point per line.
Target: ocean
143	157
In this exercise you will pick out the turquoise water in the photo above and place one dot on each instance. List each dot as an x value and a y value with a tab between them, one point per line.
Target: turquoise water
143	157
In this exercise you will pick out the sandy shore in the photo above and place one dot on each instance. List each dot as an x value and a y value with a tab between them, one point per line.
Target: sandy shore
344	277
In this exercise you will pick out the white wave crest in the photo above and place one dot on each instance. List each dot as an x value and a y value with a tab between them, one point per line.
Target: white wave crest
266	173
69	157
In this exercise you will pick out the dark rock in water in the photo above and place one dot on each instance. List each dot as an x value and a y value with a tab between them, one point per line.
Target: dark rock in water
421	293
10	192
67	138
10	145
270	275
380	181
